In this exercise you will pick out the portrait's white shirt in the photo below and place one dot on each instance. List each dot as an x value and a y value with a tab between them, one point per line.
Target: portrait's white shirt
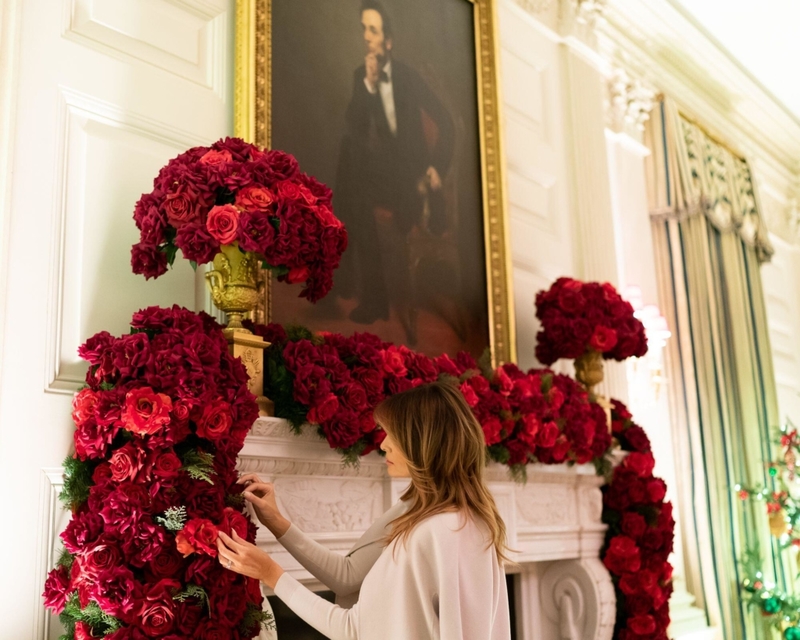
387	97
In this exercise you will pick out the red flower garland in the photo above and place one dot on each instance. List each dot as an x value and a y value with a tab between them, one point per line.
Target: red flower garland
157	431
577	316
640	536
234	192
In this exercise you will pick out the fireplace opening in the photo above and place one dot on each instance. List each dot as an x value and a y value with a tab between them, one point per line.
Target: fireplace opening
291	626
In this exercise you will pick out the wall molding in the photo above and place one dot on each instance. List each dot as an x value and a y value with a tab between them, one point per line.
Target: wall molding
52	520
64	371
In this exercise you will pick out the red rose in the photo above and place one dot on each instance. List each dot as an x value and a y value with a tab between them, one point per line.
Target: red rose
640	463
181	206
233	520
211	630
394	362
223	223
622	556
83	406
92	440
503	382
254	198
256	232
198	536
569	297
642	625
126	462
196	243
56	588
548	435
146	412
530	426
147	260
637	439
216	158
167	465
83	631
215	421
165	564
469	394
101	557
603	339
633	524
157	614
82	530
187	618
656	489
354	396
116	591
492	428
298	274
323	410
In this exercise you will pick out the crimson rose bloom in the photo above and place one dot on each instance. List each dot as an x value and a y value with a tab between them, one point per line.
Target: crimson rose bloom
56	589
603	339
199	535
126	462
146	412
223	223
147	260
215	421
622	556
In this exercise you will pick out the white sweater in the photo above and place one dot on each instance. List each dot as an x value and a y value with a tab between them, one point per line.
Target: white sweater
443	583
342	574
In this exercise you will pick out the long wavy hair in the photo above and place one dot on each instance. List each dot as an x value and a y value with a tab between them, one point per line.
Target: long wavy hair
437	433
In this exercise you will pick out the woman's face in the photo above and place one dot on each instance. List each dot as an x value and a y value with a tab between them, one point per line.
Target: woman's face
396	463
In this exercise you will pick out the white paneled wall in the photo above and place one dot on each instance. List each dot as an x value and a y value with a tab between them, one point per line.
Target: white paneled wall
105	92
540	222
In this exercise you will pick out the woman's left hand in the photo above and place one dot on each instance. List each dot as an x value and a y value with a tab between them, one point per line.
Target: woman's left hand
241	556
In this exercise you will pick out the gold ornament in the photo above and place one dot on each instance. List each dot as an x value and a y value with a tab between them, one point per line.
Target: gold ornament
589	372
234	290
777	523
233	284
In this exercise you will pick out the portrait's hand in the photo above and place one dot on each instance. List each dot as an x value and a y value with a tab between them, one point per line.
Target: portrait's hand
433	179
262	496
241	556
373	73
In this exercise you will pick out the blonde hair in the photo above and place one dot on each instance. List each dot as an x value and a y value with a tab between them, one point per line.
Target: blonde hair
436	431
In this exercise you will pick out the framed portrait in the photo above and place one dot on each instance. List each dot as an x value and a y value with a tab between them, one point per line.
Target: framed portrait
394	105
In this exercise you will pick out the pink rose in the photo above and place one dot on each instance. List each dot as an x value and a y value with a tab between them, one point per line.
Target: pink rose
223	223
146	412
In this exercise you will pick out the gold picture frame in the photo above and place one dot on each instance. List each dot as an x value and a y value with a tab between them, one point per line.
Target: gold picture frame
252	122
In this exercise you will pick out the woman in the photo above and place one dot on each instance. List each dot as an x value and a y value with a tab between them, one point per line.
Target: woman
441	573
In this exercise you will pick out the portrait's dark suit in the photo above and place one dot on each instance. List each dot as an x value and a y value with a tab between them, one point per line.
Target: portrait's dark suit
378	192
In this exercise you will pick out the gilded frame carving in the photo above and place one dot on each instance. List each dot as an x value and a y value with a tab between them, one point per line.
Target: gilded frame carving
252	121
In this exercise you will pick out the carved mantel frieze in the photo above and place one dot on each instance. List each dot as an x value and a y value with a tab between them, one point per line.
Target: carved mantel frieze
630	102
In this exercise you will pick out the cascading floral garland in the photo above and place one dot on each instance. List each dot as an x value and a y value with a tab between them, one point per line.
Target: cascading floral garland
158	426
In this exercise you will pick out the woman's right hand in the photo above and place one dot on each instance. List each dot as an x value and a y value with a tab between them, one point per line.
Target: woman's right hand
262	496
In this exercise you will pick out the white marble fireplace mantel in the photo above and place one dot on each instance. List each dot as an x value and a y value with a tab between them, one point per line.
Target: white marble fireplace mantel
563	591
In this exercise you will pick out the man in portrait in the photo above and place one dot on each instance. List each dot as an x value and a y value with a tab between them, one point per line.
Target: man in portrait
394	155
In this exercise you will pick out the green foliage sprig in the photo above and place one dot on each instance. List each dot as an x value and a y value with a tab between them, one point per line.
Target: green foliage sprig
199	465
173	519
255	616
77	481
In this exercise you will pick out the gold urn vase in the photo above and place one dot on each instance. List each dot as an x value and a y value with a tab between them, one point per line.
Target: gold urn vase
234	289
233	284
589	372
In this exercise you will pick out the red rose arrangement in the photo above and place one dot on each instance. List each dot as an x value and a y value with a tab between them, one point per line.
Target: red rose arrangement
580	316
640	536
234	193
158	427
336	382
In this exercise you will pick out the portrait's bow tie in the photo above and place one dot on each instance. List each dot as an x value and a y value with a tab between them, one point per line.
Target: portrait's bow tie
383	77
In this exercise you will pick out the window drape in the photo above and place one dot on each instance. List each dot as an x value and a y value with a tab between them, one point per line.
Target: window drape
710	239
